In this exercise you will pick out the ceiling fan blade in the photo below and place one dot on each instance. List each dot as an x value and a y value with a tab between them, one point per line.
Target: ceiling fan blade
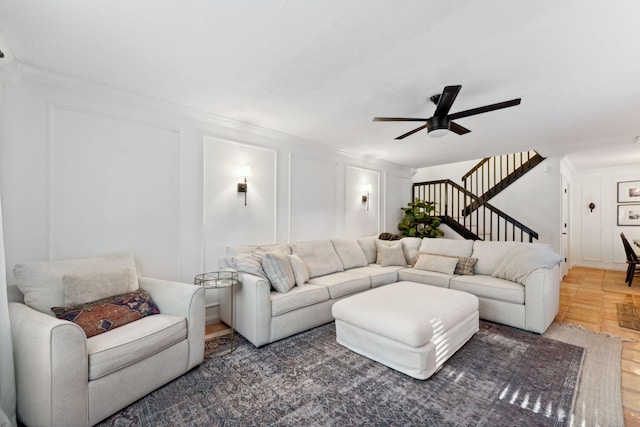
445	102
456	128
485	109
397	119
412	132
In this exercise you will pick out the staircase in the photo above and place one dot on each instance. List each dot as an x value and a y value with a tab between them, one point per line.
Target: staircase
466	208
493	174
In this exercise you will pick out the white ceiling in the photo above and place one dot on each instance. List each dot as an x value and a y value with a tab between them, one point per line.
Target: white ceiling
321	70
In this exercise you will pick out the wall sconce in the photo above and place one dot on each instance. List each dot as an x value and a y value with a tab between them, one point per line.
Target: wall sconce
244	171
591	206
365	197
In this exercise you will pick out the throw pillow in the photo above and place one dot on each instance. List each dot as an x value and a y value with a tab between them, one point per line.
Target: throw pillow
92	286
520	261
279	271
350	253
437	263
109	313
300	270
390	253
465	266
250	262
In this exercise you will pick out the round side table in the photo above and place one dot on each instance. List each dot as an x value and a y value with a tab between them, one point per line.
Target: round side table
221	280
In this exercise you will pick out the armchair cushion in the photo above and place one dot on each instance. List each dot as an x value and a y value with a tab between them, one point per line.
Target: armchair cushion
109	313
92	286
133	342
42	285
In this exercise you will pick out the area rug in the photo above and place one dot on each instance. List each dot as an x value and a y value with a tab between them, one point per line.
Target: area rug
502	376
599	400
629	316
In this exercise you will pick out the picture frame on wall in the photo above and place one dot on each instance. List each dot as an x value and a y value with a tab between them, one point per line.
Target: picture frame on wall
629	192
629	214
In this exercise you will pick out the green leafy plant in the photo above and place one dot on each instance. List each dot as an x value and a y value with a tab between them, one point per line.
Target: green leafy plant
419	220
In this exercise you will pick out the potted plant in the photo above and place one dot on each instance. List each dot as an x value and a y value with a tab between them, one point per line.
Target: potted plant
419	220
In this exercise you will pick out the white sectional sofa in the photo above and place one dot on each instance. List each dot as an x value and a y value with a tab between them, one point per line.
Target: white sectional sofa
517	284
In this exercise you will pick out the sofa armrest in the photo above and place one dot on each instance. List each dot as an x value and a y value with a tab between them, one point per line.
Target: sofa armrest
185	300
252	310
542	298
56	393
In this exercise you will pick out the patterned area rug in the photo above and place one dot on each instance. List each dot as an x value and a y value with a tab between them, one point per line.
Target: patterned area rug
502	376
629	316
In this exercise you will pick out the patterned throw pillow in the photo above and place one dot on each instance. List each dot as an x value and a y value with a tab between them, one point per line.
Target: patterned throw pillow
108	313
465	266
279	271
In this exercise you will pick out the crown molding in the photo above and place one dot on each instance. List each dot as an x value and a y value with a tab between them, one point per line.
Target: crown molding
31	72
10	73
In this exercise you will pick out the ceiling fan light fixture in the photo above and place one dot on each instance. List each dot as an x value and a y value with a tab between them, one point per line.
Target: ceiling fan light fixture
437	133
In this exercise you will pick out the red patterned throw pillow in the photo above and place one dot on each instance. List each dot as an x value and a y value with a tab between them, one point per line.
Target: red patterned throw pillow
108	313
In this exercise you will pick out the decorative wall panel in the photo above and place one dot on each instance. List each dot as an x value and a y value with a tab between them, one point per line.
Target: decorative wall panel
313	199
362	218
227	220
114	186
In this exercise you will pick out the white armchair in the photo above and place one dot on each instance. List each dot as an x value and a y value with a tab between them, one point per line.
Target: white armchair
64	378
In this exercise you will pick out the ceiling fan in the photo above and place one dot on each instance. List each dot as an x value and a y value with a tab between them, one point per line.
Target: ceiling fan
441	122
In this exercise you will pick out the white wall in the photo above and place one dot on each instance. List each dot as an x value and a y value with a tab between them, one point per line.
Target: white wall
534	199
596	235
87	170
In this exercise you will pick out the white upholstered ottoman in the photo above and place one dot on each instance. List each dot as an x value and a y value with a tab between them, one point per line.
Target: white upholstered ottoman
410	327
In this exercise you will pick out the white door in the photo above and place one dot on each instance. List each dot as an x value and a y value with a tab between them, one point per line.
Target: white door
565	226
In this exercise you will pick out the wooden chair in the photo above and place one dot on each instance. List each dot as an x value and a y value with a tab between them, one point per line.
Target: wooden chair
633	265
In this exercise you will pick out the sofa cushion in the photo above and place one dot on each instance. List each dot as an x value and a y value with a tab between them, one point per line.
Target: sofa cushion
490	287
490	254
350	253
300	270
81	288
425	277
368	245
298	297
319	256
379	275
447	247
279	272
282	248
106	314
411	248
520	261
42	285
437	263
131	343
343	283
390	252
